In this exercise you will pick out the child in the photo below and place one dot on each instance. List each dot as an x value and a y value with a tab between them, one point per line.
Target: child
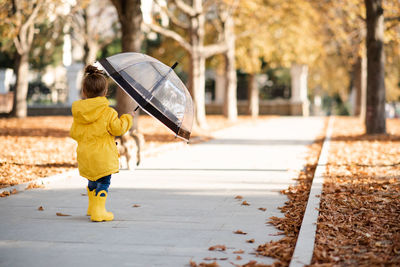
94	127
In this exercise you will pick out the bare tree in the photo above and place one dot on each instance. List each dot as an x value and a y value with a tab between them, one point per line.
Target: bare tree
86	31
191	19
25	15
375	119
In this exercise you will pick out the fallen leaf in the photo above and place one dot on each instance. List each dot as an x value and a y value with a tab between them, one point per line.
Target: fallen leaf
238	257
240	251
203	264
61	214
240	232
14	191
245	203
136	206
262	209
218	248
238	197
5	194
250	241
41	208
34	185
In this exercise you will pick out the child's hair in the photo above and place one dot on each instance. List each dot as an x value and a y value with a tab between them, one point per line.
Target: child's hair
94	82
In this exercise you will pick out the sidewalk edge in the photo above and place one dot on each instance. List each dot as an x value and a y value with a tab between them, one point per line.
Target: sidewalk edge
304	248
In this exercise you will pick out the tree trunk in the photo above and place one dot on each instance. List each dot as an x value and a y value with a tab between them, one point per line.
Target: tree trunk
253	96
230	105
20	107
198	64
375	119
197	88
130	17
360	86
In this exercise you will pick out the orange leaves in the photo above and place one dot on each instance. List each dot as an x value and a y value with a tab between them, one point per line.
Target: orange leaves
8	193
36	147
136	206
217	248
239	197
62	214
41	208
202	264
360	198
262	209
5	194
239	232
245	203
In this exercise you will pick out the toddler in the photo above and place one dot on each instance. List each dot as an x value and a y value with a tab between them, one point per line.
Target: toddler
94	127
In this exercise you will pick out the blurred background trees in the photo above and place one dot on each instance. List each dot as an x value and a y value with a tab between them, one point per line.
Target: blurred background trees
340	57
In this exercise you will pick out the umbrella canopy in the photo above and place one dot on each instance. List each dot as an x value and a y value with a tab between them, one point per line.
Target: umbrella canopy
155	87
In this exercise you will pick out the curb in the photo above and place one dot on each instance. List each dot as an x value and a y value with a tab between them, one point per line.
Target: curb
304	248
42	181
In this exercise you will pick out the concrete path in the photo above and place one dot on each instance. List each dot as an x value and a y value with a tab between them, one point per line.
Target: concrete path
187	204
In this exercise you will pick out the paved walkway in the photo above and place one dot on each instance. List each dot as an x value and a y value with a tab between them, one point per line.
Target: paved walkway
187	204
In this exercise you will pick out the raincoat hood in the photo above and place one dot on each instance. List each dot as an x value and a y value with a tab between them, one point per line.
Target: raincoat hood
89	110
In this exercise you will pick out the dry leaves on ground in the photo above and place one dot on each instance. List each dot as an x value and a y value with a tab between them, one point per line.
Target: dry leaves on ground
37	147
359	222
245	203
203	264
62	214
217	248
293	210
240	232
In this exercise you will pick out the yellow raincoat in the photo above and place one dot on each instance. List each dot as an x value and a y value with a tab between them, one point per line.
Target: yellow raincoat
94	127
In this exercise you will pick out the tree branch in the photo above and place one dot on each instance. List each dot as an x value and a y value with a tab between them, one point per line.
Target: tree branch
214	49
392	19
185	8
171	34
172	16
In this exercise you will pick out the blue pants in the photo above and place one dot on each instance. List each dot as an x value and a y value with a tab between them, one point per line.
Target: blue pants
101	184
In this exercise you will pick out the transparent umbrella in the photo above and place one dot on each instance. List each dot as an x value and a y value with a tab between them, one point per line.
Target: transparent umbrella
155	87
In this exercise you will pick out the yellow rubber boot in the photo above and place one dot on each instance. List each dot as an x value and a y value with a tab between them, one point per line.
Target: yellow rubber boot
99	212
91	200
